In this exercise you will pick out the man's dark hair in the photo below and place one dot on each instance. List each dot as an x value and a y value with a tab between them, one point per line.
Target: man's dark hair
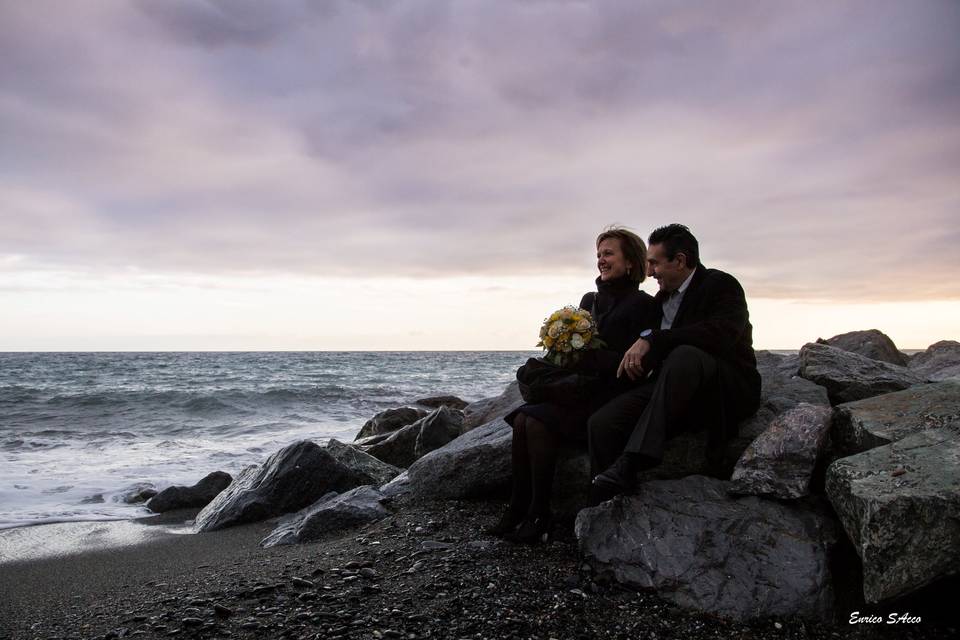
676	238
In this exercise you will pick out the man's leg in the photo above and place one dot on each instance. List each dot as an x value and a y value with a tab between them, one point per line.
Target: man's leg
610	426
687	376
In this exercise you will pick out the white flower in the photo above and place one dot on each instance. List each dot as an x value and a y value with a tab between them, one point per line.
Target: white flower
555	329
577	341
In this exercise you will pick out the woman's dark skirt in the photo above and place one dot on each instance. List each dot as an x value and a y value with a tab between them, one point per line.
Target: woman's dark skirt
568	423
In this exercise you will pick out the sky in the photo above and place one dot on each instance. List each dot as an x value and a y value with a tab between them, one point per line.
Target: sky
234	175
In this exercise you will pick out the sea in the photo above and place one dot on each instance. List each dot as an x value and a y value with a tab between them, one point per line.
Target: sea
78	431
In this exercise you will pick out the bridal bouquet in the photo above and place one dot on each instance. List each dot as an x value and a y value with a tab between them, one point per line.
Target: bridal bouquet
567	334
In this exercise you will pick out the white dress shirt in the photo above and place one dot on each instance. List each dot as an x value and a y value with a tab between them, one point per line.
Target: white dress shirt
672	303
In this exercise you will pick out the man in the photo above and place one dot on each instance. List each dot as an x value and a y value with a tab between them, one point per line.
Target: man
699	367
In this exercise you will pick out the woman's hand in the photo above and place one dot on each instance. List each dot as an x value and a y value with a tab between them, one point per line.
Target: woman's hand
632	363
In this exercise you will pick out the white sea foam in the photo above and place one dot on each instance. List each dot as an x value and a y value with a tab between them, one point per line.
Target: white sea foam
78	430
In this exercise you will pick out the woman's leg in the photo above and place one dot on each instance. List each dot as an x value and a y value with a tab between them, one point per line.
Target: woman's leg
542	450
520	493
520	467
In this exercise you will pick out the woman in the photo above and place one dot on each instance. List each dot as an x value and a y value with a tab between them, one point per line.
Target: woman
621	311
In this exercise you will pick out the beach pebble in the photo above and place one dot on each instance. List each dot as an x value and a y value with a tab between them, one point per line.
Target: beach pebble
222	611
191	622
368	573
300	582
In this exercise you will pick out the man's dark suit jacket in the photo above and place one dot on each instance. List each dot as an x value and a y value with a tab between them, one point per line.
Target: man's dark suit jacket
713	316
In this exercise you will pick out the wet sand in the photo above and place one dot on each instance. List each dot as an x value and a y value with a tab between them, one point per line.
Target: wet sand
49	569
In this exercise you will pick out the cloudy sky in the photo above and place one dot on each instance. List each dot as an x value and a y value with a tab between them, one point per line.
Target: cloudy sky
208	174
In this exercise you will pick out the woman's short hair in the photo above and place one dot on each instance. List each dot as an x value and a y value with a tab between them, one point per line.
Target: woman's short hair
632	247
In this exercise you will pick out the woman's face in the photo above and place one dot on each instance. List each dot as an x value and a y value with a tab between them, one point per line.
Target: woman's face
610	259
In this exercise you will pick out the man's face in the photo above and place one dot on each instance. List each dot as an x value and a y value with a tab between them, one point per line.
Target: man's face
670	274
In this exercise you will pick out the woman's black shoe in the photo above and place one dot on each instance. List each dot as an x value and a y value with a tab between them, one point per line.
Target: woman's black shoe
505	525
532	530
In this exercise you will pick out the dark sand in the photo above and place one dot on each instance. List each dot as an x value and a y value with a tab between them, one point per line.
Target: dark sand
425	572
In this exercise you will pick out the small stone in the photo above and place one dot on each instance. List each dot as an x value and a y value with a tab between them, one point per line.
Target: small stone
222	611
368	573
191	622
300	582
777	625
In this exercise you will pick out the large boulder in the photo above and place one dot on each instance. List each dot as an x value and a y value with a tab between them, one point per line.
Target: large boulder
489	409
369	469
289	480
781	460
900	506
705	550
871	343
850	376
331	513
940	361
474	465
390	420
880	420
435	402
404	446
195	497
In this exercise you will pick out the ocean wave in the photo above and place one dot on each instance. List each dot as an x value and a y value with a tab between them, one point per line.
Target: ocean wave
19	444
218	400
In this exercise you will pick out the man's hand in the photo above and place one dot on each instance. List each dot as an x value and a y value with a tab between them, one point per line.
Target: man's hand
632	363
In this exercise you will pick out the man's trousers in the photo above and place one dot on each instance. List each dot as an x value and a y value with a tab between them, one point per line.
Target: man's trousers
684	390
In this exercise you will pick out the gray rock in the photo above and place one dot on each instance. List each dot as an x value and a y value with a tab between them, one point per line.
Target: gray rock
700	548
781	461
435	402
850	376
486	410
880	420
389	421
289	480
871	343
404	446
476	464
371	470
331	513
437	429
195	497
136	493
900	506
399	487
940	361
779	363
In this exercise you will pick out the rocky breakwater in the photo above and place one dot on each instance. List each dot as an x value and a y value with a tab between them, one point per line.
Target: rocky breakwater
758	546
893	486
899	497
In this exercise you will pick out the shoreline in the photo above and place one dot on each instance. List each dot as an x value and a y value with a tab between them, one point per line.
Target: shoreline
427	571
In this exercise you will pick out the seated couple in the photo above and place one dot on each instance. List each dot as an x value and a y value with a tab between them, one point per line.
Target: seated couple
685	359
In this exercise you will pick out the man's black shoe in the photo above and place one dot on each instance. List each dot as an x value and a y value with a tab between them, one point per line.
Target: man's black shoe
621	477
